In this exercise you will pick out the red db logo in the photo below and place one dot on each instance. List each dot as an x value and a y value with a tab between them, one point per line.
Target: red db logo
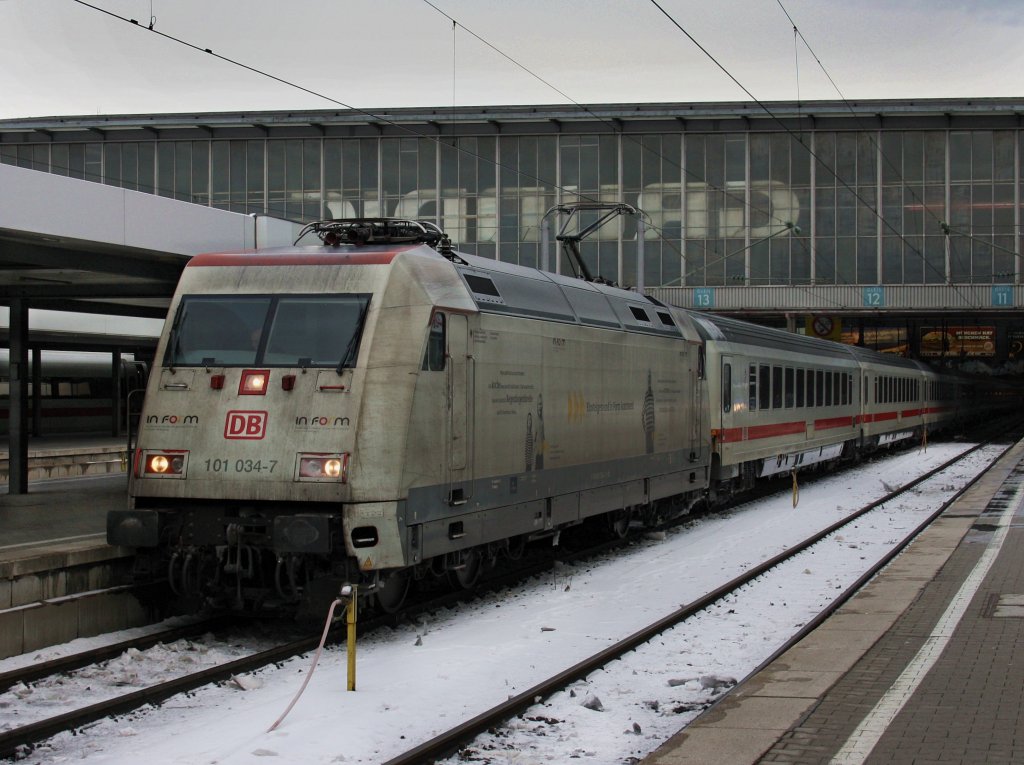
245	425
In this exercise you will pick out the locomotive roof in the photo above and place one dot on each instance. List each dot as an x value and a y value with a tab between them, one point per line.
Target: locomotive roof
494	286
507	288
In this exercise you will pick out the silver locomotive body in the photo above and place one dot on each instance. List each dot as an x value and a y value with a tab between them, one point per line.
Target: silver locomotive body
341	414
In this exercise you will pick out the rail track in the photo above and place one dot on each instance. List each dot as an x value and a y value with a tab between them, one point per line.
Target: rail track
22	739
451	741
71	662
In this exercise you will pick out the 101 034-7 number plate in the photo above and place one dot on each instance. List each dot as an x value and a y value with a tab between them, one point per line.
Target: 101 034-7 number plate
240	466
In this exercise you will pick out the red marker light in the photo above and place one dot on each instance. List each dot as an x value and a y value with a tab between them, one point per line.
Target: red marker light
288	382
217	382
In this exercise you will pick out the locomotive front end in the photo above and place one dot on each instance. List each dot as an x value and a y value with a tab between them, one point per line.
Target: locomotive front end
249	450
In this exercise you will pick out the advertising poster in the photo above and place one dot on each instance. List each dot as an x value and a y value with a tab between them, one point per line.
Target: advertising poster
973	342
1016	339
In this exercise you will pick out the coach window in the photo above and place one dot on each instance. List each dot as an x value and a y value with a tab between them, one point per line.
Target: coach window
837	388
776	387
828	388
727	387
764	387
819	386
433	359
799	387
790	385
752	403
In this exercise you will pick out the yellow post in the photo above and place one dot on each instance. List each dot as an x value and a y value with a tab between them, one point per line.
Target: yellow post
350	613
796	490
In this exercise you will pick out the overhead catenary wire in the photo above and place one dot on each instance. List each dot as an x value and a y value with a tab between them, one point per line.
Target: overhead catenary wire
615	128
355	109
881	152
378	118
454	144
384	120
788	130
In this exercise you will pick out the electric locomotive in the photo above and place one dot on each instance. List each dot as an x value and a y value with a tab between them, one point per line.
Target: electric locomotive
381	408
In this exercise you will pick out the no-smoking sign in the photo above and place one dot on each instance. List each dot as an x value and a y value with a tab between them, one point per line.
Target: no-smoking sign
822	326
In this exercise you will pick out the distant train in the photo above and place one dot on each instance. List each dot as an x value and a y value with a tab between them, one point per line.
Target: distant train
76	392
381	409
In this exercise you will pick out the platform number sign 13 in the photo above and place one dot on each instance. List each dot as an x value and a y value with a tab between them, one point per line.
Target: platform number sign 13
704	297
874	297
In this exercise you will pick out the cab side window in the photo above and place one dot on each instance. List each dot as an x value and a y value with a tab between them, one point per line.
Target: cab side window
434	358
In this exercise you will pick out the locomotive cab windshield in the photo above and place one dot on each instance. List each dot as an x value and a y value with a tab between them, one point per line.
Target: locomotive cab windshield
265	330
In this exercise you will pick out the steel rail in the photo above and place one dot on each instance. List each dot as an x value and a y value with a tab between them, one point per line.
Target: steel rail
82	659
12	742
448	742
16	741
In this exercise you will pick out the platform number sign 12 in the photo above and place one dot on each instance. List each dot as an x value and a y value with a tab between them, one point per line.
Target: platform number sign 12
704	297
874	297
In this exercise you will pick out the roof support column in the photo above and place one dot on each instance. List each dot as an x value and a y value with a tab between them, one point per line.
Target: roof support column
115	396
37	392
17	422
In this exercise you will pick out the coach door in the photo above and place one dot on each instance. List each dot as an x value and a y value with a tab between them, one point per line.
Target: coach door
698	427
728	383
460	411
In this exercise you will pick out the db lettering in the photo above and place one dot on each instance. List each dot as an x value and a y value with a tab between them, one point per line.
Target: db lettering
245	425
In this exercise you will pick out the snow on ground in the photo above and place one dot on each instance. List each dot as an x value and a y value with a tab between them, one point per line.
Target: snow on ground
420	679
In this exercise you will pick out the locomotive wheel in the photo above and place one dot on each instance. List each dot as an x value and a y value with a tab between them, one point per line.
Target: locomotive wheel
618	523
467	573
516	547
391	594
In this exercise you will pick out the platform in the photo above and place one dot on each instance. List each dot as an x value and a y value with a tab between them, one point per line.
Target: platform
923	665
53	547
53	457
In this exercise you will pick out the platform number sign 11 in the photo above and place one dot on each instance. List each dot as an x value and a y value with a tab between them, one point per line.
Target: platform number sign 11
704	297
1002	295
874	297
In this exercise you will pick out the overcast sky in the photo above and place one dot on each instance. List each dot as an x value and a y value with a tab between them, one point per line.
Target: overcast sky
58	57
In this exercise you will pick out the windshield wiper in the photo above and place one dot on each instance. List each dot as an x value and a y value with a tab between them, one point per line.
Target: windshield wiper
353	342
174	351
